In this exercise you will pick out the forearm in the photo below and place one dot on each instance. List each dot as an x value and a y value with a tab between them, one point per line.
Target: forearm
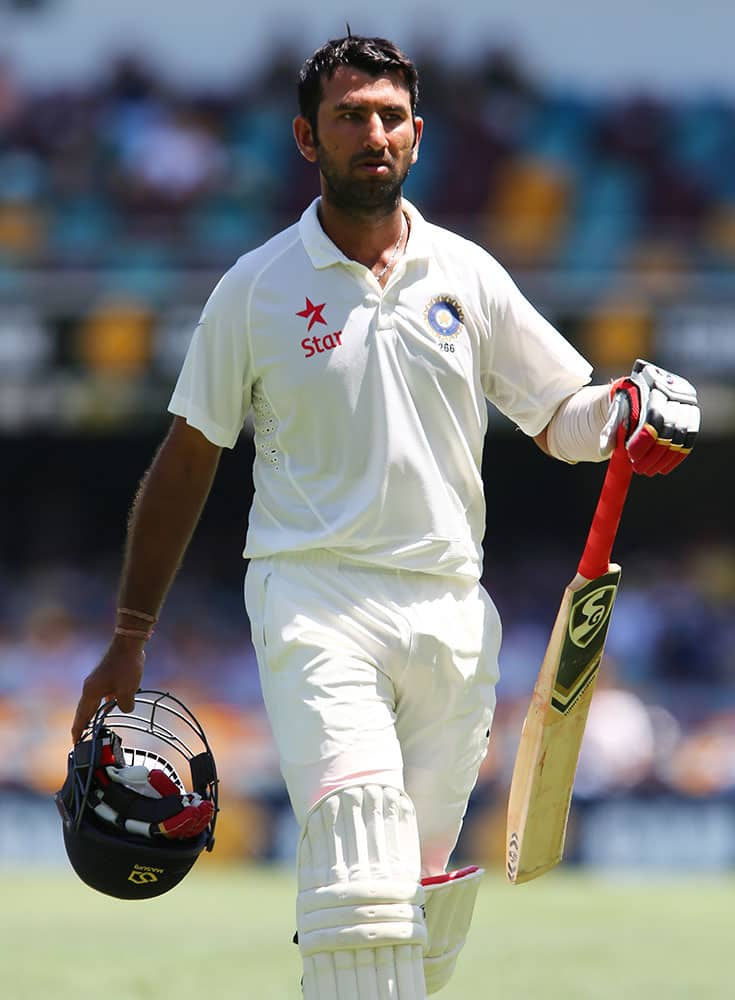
573	434
165	512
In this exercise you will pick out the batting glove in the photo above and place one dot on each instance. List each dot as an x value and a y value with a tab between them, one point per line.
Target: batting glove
661	415
192	816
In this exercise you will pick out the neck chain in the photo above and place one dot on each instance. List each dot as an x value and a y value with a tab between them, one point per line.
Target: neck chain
392	257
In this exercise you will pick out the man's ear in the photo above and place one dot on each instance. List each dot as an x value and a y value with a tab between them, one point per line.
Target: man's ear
418	129
304	136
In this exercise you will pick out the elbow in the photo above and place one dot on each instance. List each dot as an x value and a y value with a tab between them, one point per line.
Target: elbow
542	441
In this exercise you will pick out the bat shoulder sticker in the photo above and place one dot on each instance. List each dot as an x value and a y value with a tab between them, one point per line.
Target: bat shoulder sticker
581	653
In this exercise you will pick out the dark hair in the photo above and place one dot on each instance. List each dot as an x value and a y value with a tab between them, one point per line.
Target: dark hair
371	55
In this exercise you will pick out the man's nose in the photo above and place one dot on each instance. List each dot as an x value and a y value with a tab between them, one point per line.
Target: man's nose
375	135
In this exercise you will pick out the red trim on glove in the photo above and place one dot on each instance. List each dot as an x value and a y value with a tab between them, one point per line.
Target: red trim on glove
631	390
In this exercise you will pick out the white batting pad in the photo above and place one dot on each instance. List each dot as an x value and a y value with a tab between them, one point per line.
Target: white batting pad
359	909
450	902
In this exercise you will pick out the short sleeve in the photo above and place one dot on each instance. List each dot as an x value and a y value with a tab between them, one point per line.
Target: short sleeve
529	368
214	387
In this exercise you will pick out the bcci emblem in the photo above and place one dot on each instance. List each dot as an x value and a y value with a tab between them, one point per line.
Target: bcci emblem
444	315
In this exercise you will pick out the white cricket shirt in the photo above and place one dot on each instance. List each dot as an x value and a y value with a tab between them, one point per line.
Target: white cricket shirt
368	403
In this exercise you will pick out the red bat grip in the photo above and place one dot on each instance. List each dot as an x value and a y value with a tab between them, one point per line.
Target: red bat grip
598	547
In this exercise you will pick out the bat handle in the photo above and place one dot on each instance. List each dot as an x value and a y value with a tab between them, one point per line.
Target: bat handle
598	547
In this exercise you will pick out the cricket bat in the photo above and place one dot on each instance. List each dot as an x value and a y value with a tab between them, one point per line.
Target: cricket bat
548	751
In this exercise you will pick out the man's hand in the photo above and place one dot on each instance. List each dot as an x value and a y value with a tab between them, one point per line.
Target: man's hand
661	414
116	678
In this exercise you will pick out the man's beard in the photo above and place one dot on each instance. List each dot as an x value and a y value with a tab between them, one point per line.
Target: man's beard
367	196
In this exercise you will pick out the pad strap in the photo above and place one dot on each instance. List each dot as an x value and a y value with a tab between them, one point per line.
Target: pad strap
356	914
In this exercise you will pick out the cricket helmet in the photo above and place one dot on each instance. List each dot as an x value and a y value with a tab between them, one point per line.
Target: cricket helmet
131	829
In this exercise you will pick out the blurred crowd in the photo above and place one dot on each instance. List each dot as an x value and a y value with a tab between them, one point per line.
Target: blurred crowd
133	168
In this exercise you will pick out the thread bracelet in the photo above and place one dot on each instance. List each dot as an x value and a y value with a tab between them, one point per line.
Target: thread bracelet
138	614
133	633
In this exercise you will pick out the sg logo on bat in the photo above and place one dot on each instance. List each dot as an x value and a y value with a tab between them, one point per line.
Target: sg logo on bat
591	614
581	653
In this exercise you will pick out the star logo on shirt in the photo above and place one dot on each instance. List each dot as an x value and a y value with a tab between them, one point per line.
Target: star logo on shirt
313	313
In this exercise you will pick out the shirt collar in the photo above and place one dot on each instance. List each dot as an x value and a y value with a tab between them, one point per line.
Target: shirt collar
323	253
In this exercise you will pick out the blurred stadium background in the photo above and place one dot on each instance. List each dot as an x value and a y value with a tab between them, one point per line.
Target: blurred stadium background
143	149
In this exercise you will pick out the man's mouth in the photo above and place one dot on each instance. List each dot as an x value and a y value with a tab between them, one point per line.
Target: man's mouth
373	167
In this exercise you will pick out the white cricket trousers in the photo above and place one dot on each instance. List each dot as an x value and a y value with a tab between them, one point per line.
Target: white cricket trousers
375	676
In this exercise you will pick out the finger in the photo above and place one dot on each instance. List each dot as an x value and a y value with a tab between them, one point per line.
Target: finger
641	445
658	460
692	427
126	701
668	429
678	437
676	457
89	702
85	710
